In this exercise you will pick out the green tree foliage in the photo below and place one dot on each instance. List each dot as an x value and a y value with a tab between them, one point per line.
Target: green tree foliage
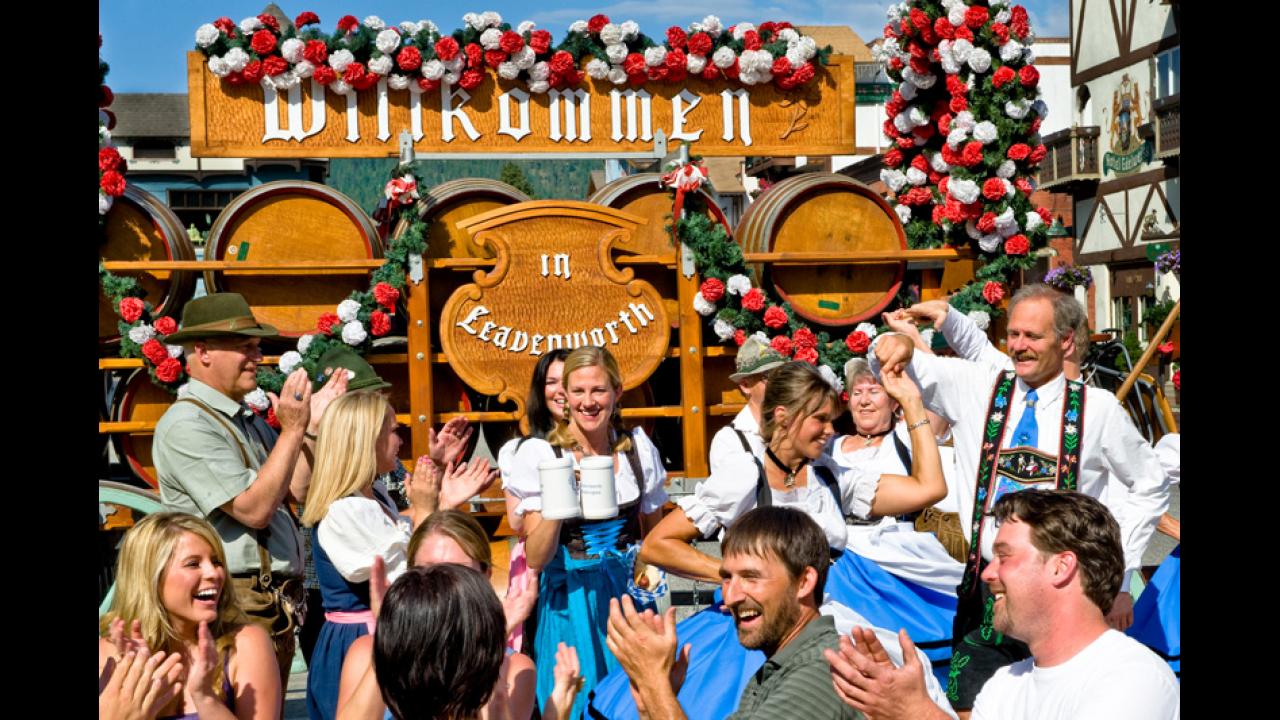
512	175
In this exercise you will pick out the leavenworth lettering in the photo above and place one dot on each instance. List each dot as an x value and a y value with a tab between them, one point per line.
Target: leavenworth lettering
634	318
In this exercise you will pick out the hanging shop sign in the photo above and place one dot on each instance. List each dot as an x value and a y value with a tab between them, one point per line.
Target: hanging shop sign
500	116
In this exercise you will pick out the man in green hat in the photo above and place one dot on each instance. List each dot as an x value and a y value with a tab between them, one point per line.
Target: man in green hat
217	459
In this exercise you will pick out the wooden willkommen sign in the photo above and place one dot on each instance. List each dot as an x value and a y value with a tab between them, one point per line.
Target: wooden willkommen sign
500	116
554	286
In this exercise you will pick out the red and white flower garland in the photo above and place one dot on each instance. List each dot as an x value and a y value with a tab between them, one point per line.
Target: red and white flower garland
111	167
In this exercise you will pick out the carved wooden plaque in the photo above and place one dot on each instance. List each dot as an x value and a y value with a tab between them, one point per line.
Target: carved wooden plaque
721	118
554	286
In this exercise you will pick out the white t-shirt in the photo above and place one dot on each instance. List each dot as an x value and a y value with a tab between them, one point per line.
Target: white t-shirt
1114	677
520	475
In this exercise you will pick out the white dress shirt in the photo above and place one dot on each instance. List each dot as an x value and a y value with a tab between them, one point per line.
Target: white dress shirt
725	444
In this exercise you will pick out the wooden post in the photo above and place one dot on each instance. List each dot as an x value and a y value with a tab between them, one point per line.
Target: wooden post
1150	351
692	381
420	390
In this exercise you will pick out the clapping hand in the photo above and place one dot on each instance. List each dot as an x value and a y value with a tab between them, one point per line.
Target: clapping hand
133	642
465	481
203	662
932	311
568	681
519	603
866	680
138	684
450	442
331	391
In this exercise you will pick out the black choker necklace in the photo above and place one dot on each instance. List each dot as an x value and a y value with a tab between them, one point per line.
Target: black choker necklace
868	437
790	482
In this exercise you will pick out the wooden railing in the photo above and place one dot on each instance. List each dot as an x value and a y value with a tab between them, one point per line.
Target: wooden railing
1073	157
1168	126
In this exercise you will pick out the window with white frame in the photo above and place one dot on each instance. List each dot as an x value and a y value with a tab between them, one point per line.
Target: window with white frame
1167	73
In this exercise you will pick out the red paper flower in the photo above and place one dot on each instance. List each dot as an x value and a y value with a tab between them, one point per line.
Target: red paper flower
324	74
1177	379
354	74
993	189
597	23
1018	151
675	61
1001	31
700	43
804	338
857	342
964	33
166	326
226	25
893	158
409	58
274	65
315	52
379	323
131	309
987	223
326	323
739	336
993	292
677	38
1166	348
562	62
976	16
751	40
782	344
475	55
306	18
775	317
427	84
1024	186
1038	154
112	183
471	79
263	42
633	64
540	41
272	420
1002	75
753	300
270	21
108	159
972	153
1029	76
943	28
446	49
809	355
1035	124
252	72
1017	245
920	65
511	42
347	23
169	370
712	290
494	58
803	74
1018	22
939	214
386	295
155	351
958	104
1045	215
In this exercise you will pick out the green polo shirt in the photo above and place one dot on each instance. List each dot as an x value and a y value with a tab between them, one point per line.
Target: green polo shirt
796	682
200	469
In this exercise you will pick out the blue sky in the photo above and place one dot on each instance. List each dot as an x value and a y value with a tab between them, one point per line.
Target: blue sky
145	41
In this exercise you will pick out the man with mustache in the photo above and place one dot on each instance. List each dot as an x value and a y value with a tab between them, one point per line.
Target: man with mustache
1057	566
1030	428
775	562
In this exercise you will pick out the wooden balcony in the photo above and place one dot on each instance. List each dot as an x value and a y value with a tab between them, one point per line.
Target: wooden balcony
1168	126
1072	158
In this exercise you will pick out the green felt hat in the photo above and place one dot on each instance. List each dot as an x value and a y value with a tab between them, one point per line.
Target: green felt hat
362	376
219	315
755	357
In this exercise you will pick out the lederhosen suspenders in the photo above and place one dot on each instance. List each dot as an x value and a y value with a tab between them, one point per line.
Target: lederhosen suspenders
1068	468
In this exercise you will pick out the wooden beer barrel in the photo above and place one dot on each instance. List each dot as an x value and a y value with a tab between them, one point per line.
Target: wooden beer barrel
137	399
292	221
824	212
140	227
444	205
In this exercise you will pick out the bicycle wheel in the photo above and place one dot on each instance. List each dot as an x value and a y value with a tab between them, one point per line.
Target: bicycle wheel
112	524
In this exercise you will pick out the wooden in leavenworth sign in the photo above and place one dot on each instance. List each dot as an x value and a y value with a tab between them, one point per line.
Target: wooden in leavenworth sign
500	116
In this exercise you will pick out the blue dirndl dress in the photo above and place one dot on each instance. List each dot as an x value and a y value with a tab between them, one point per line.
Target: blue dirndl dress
1157	615
325	669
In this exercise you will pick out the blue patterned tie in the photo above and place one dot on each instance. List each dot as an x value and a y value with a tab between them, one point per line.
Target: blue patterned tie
1027	432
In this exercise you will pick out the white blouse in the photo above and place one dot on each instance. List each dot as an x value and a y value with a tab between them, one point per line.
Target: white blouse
520	474
355	530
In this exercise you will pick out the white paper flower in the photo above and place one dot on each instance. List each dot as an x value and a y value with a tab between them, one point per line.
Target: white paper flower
579	26
808	46
980	318
1006	169
894	179
1009	188
830	376
206	35
722	329
525	58
452	77
353	333
540	71
257	399
788	35
291	49
249	24
999	4
904	213
1017	109
1033	220
387	41
985	132
867	328
537	87
1006	224
236	59
723	57
289	361
964	119
1010	51
340	87
961	49
956	136
491	39
374	23
971	229
381	64
491	18
526	26
408	27
695	64
949	64
610	34
630	29
616	53
1003	16
175	351
284	81
902	121
737	285
916	176
989	243
348	310
304	342
654	56
795	56
455	65
980	60
141	333
508	70
433	69
907	90
397	81
702	305
938	164
712	26
474	20
740	30
340	59
617	75
955	15
219	66
598	69
924	82
964	191
104	203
